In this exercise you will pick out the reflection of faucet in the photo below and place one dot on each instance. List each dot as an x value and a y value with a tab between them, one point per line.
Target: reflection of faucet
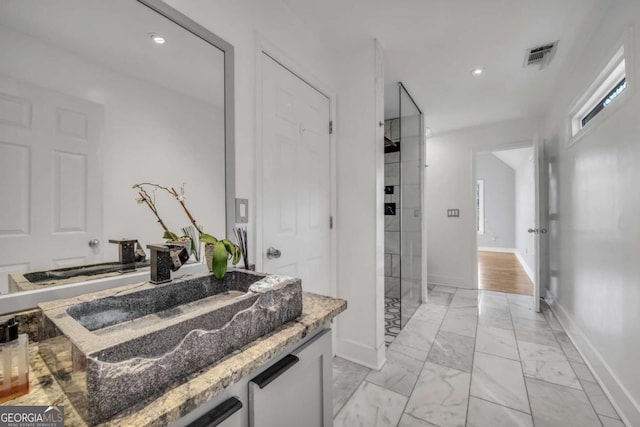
166	258
129	252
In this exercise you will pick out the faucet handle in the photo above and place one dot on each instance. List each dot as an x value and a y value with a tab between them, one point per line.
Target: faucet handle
166	257
177	253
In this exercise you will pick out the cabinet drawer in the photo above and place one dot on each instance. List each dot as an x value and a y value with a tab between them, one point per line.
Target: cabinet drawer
229	409
296	390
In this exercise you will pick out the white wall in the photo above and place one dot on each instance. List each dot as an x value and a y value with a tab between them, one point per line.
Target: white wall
525	216
594	224
451	184
359	218
150	134
499	202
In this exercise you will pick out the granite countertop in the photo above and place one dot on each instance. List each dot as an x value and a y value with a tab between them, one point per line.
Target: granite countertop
198	388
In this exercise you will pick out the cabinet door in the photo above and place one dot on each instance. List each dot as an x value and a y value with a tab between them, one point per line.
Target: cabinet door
297	390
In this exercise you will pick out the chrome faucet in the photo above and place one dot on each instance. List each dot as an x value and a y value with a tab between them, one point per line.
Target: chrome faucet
166	258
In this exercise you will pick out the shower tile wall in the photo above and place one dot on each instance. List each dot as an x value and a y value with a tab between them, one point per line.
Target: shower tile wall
392	222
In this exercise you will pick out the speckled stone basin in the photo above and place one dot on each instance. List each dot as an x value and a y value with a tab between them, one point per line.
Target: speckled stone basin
115	348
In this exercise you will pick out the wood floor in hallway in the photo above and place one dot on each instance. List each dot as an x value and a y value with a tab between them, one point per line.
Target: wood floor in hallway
502	272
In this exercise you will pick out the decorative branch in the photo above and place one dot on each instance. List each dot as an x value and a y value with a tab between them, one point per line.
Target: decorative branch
146	198
178	196
180	199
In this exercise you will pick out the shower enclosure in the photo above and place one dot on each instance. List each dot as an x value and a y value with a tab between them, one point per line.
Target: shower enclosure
404	169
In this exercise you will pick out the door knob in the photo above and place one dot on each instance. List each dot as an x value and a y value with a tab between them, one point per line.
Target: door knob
273	253
94	243
533	230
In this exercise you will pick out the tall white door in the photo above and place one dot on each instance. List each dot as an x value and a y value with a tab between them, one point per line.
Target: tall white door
295	178
50	179
541	215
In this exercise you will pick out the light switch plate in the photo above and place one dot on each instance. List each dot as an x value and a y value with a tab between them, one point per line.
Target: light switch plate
242	211
453	213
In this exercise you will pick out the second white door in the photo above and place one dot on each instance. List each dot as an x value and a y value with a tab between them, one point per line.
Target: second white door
295	178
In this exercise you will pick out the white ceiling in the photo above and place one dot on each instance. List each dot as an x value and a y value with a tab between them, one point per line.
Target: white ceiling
516	157
115	34
432	46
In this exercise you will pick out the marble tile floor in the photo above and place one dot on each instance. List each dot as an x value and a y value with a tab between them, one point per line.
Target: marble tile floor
474	358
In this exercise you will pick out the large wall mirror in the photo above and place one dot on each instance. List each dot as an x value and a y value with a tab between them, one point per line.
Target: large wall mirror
96	96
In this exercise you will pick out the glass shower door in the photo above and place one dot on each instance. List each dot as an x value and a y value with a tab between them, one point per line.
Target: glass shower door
411	193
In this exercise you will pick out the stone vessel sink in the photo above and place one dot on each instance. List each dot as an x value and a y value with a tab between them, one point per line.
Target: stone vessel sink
115	348
67	275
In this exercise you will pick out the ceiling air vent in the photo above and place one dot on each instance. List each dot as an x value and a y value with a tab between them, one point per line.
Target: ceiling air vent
540	55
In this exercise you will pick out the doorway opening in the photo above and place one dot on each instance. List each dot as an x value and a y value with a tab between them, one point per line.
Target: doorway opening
505	214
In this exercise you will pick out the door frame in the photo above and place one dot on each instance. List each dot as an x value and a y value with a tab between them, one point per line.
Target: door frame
264	46
474	256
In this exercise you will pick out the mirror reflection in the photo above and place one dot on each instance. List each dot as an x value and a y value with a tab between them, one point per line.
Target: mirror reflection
95	97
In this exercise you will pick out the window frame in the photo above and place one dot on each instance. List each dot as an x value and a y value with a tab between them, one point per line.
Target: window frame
619	66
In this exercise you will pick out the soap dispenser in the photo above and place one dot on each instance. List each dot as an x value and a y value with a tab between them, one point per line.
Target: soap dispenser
14	360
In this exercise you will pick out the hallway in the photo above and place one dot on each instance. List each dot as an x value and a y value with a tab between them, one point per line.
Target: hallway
474	358
502	272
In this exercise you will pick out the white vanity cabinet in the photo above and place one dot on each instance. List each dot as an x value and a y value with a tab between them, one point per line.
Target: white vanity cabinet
294	389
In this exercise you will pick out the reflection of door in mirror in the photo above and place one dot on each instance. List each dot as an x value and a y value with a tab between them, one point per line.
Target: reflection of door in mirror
50	173
163	121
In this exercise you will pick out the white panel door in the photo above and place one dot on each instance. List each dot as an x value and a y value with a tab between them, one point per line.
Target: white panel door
50	179
296	178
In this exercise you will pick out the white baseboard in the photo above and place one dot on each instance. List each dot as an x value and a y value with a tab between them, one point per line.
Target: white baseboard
492	249
361	354
526	267
626	406
448	281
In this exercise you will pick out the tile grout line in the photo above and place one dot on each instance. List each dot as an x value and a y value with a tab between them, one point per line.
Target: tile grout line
495	355
555	336
524	380
352	393
500	404
473	359
549	382
424	363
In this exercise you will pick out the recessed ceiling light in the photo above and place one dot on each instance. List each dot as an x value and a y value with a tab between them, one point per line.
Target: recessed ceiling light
477	71
157	38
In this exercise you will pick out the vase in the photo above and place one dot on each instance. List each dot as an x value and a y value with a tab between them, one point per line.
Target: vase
208	255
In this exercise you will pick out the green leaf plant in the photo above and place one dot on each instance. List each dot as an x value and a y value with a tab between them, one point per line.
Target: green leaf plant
223	251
